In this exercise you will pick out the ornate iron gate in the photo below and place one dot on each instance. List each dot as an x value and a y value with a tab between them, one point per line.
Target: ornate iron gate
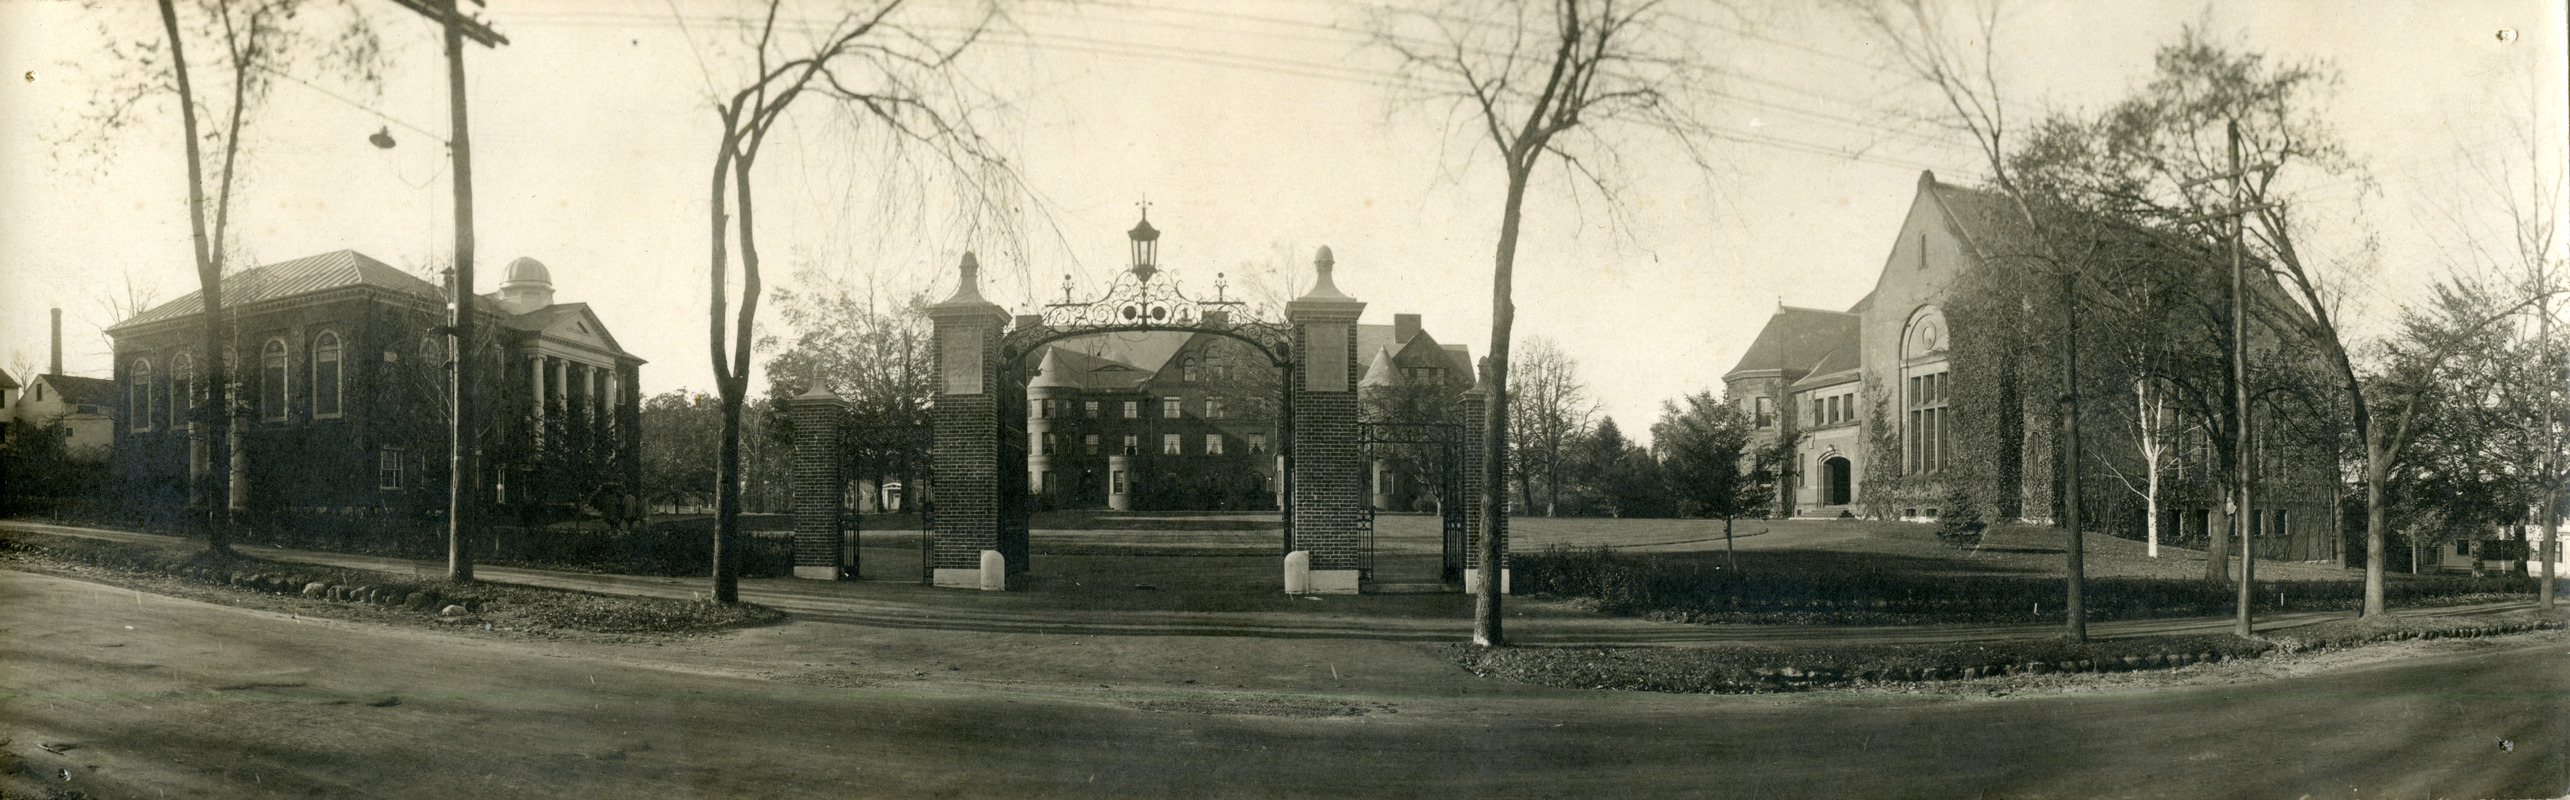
1443	441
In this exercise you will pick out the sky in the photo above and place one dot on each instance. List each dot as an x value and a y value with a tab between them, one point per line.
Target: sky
1257	130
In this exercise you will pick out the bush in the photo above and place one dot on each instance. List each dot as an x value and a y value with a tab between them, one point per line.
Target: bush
1702	591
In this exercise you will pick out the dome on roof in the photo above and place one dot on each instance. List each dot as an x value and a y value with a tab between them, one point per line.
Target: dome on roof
525	270
525	286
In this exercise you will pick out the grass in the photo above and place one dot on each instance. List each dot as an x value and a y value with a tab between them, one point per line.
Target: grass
502	607
1781	669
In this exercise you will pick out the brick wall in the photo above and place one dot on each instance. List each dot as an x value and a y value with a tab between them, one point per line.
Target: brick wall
817	485
968	454
1328	484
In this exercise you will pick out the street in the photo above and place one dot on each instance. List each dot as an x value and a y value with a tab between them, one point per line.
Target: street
158	696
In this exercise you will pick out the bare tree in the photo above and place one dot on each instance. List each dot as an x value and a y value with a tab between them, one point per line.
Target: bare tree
2154	422
890	70
1560	79
1549	408
259	41
2504	229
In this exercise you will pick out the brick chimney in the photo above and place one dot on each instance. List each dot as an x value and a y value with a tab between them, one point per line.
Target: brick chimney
1404	326
57	362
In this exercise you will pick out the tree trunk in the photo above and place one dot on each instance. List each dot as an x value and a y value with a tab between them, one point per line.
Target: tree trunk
1487	629
2377	463
214	417
2551	540
727	500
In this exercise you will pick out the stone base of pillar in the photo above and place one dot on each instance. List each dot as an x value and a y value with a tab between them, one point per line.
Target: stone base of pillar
957	578
1472	581
1331	581
817	573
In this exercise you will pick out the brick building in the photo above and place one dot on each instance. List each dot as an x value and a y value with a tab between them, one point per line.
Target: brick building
1872	395
1182	420
340	366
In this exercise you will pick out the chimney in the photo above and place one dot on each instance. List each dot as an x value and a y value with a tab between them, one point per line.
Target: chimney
1404	326
57	343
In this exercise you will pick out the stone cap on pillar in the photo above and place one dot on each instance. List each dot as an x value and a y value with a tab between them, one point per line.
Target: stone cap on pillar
818	395
1480	377
967	302
1324	299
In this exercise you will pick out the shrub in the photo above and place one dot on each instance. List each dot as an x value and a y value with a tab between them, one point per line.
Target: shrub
1695	590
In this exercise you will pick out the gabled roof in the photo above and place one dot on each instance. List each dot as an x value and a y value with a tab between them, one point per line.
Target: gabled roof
1799	340
1373	338
553	317
1146	351
7	382
289	278
75	390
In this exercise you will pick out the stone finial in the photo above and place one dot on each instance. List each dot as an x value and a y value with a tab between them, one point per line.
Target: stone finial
968	291
1324	288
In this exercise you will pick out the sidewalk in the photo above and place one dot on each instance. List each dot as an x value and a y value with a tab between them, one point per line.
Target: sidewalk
1361	617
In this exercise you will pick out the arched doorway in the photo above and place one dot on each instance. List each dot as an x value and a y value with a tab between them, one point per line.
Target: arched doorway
1841	481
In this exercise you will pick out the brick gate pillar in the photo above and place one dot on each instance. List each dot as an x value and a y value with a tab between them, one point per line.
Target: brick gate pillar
966	419
818	489
1327	469
1476	414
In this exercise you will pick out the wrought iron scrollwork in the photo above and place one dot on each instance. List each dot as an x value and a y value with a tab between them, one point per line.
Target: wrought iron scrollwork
1136	302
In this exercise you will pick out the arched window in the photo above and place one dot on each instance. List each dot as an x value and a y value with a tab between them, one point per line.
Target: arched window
138	393
182	392
272	380
1195	369
326	384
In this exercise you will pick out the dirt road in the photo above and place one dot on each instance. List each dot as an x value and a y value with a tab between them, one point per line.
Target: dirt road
146	696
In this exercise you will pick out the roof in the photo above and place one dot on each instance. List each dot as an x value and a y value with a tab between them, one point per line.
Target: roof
1064	367
7	382
1372	338
77	390
330	270
1801	340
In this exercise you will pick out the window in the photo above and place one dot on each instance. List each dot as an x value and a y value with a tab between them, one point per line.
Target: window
1213	408
325	376
1170	407
1119	482
1258	443
1929	416
1132	409
1089	444
1035	409
1132	444
1171	444
1091	407
272	380
182	392
1195	369
388	467
1048	444
1765	411
138	393
1213	444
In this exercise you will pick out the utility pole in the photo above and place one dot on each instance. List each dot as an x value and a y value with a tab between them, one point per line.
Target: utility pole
461	488
2240	391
